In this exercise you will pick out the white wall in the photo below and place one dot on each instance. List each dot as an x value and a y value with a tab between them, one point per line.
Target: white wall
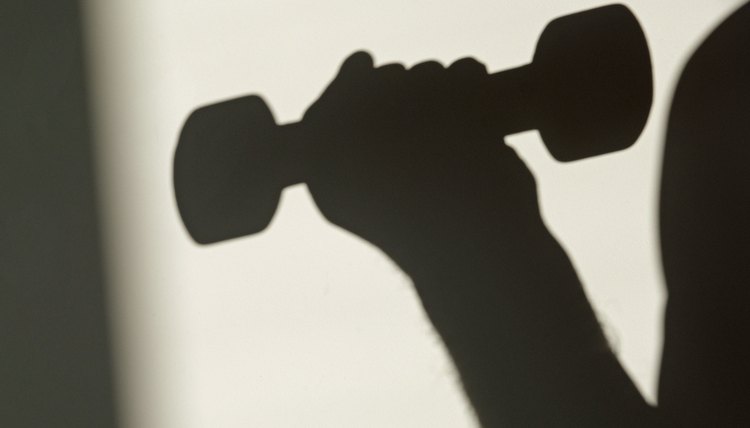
304	324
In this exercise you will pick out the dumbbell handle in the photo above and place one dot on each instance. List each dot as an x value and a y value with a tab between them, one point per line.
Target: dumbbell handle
514	100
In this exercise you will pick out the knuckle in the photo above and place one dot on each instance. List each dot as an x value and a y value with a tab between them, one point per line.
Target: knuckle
392	67
427	66
469	64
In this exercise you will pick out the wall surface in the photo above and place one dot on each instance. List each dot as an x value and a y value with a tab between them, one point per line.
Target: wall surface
304	324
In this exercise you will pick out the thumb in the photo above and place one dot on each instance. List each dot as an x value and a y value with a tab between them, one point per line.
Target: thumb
355	68
357	62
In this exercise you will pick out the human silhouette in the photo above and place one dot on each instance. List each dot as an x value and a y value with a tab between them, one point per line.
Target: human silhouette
705	235
503	295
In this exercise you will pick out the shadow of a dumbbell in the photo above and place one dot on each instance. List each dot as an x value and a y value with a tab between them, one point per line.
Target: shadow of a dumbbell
588	91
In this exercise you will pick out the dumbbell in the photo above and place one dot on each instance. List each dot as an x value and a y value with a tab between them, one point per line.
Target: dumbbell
588	92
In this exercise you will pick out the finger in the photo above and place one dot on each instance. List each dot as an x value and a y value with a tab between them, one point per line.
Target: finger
357	62
354	73
426	76
354	70
427	68
391	73
467	86
468	67
390	78
390	69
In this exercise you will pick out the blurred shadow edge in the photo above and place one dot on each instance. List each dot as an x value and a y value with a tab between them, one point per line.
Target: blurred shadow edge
55	359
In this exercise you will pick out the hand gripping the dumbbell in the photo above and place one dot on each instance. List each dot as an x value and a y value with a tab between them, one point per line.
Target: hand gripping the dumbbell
588	92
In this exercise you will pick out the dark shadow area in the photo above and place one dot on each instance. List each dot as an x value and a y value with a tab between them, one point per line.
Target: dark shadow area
414	162
705	235
54	344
